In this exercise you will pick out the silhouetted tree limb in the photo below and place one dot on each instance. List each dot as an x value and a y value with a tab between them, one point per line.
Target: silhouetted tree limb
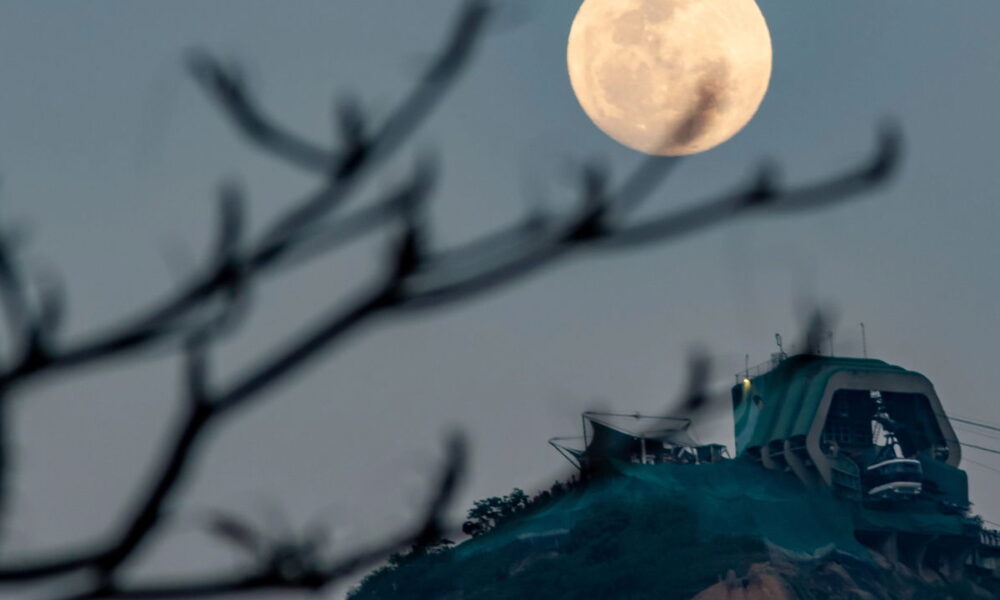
299	566
20	316
170	318
211	297
544	243
414	276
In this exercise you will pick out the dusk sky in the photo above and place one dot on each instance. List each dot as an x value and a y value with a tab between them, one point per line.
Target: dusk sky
110	157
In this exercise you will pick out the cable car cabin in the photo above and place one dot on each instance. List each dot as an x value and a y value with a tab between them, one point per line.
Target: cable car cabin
872	431
892	479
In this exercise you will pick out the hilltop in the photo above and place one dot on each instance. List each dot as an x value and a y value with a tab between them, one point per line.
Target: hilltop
728	530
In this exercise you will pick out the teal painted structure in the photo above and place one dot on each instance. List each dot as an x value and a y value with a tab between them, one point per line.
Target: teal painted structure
782	417
784	402
831	452
837	424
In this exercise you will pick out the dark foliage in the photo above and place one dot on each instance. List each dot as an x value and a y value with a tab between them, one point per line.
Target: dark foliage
627	550
488	514
648	549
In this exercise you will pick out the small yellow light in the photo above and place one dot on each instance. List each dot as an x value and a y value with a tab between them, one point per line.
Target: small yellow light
746	382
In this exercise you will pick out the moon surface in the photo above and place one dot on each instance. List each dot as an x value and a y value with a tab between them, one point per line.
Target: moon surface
669	77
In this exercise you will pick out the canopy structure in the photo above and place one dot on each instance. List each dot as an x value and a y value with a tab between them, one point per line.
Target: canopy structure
635	438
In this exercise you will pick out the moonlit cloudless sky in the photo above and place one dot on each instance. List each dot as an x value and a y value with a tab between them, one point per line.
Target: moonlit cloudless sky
110	158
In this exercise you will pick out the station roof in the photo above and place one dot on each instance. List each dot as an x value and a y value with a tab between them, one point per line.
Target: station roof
789	395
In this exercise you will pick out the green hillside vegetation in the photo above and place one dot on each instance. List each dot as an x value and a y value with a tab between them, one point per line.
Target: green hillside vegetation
616	551
665	531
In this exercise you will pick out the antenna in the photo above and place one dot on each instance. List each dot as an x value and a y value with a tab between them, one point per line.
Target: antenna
746	364
864	341
781	350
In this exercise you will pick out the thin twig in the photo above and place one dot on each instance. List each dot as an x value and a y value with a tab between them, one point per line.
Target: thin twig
414	276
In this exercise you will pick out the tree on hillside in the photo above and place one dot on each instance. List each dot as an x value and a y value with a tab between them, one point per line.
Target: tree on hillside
414	276
486	514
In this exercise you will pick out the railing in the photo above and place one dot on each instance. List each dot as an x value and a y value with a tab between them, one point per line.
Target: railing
758	370
989	538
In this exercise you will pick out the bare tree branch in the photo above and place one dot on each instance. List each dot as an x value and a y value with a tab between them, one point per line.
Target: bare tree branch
227	84
228	271
170	318
414	276
766	195
14	298
283	568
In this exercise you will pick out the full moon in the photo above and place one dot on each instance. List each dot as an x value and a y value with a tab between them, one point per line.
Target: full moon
669	77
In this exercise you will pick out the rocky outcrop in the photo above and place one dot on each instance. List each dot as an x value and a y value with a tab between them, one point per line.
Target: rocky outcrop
760	583
840	578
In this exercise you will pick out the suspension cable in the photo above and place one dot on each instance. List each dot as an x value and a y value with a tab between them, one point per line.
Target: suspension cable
975	423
